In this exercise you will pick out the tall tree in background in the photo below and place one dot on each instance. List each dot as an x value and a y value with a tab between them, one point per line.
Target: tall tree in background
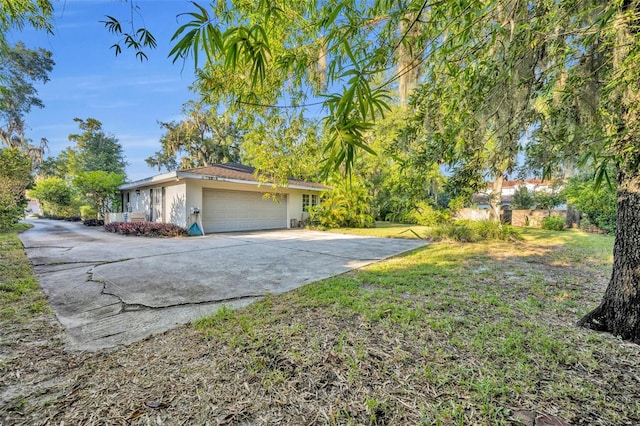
87	174
203	138
473	109
95	149
99	189
20	69
283	145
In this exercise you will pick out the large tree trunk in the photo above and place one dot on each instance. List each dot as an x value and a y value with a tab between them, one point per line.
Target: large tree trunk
619	311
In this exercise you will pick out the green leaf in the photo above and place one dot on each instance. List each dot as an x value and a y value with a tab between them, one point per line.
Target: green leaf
117	48
112	25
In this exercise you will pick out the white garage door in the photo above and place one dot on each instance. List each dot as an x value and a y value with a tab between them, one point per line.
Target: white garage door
225	211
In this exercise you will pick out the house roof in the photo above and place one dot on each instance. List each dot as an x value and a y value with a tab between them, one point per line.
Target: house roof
531	181
484	199
242	172
229	172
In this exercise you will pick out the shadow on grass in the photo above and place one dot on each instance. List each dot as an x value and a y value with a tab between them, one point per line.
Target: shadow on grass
480	328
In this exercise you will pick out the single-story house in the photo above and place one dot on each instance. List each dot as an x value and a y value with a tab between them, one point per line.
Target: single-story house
223	198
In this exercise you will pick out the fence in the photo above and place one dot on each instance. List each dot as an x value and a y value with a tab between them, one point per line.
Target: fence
125	217
531	218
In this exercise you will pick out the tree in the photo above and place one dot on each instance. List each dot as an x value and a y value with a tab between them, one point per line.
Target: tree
523	199
272	63
473	109
16	14
55	195
99	189
593	44
95	149
15	178
547	200
594	100
203	138
20	68
90	173
398	180
281	146
62	165
597	205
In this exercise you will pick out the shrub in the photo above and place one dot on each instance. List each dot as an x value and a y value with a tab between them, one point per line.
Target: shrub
346	205
467	231
427	215
455	231
88	212
597	204
93	222
553	223
146	229
56	197
457	203
15	177
523	199
66	218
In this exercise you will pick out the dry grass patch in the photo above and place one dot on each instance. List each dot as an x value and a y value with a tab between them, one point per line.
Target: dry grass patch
448	334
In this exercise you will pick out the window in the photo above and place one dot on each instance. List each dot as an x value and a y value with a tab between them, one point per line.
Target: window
305	202
309	200
155	205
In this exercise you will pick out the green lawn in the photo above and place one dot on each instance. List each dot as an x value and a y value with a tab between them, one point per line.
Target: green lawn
448	334
20	295
386	230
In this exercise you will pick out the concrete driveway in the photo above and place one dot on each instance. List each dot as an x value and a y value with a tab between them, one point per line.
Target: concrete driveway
109	289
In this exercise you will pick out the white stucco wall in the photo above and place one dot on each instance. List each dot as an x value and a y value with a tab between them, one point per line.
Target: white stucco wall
180	196
136	203
175	204
294	206
293	196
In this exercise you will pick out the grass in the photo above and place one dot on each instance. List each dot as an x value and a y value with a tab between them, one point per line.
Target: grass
20	295
386	230
450	334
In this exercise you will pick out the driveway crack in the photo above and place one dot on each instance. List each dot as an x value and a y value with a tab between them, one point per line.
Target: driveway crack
84	262
134	307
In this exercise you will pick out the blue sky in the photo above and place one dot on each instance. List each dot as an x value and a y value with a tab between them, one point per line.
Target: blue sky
88	80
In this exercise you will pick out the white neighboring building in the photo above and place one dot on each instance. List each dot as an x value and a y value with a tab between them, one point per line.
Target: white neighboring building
509	188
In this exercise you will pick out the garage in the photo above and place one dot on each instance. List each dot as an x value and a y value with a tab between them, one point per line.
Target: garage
228	197
226	211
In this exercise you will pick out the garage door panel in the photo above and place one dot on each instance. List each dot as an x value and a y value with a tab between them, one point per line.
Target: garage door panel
225	211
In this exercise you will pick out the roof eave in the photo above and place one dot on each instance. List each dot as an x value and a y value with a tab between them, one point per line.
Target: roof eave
188	175
177	175
165	177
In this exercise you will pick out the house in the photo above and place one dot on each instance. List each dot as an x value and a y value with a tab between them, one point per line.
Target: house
509	188
224	197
